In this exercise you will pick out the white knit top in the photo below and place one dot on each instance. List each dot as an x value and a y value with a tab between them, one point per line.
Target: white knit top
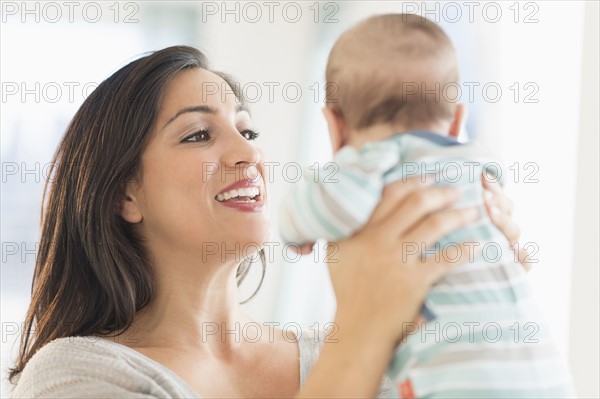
92	367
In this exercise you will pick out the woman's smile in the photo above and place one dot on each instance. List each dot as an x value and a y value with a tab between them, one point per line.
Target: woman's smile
244	195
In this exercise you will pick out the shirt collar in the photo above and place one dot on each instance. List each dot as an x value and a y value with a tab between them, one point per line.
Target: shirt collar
445	141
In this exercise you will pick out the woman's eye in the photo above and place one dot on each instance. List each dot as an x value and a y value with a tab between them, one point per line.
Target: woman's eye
249	134
200	136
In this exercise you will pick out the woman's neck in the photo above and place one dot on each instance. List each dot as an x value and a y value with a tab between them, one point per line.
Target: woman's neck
199	302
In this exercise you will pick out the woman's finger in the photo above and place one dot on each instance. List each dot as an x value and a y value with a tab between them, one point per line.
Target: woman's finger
491	182
393	194
524	257
437	225
494	195
498	200
505	224
436	265
500	209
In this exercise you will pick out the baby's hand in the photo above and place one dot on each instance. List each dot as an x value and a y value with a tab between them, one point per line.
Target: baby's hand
303	249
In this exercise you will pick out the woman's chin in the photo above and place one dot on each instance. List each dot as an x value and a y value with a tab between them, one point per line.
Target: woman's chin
257	238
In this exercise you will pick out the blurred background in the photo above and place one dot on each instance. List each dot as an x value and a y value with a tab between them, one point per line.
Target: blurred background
529	74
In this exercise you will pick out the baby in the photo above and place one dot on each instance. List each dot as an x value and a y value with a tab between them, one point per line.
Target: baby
389	117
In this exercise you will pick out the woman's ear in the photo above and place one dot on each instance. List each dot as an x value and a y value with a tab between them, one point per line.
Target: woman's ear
459	119
336	127
127	205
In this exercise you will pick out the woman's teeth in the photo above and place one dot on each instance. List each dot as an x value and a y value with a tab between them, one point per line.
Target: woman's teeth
249	194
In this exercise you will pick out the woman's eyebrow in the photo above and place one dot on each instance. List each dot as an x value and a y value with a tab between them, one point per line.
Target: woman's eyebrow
199	108
203	109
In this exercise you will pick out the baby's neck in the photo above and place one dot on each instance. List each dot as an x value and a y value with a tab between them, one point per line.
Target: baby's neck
358	138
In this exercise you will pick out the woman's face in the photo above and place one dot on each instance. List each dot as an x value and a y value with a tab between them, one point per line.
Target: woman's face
201	153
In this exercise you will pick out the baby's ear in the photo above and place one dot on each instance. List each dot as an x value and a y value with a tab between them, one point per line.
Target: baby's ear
460	116
335	125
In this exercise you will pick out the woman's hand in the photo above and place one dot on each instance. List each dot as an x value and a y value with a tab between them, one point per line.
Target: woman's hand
379	275
380	281
500	209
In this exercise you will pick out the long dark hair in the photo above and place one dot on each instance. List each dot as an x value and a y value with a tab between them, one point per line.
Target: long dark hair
92	272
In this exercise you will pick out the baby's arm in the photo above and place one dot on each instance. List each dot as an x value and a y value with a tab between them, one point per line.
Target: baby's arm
333	205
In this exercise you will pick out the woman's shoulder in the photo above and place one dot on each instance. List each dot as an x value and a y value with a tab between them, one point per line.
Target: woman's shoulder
74	352
86	367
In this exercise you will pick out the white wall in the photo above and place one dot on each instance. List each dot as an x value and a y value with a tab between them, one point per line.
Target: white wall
544	135
559	133
584	318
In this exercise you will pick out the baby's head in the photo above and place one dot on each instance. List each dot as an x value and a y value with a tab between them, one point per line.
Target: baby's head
386	75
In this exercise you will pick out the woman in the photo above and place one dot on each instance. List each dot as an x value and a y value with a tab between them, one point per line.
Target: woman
126	292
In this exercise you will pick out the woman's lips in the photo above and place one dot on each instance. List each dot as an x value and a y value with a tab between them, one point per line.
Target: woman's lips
257	205
244	195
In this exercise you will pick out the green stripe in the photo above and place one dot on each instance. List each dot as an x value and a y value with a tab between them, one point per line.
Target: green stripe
364	184
506	376
300	218
440	335
559	392
510	294
321	219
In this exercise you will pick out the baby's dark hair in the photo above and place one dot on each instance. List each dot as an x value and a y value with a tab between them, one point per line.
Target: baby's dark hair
392	69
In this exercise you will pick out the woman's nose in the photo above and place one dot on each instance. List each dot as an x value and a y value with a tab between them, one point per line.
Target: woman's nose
241	151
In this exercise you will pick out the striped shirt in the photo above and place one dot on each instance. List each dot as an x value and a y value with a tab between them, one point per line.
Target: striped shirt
484	335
